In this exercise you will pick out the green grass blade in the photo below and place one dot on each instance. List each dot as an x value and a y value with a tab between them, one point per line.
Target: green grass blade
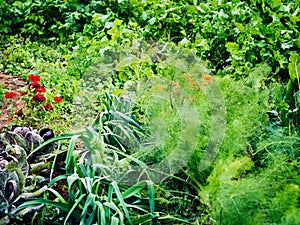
90	202
58	178
54	160
113	206
101	213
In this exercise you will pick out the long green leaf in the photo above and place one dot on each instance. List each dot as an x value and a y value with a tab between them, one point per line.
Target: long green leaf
151	195
121	200
113	206
62	200
58	178
62	137
77	202
114	221
90	202
59	205
69	157
133	190
101	213
54	160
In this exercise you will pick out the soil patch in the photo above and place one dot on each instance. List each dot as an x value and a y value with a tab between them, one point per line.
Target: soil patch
10	83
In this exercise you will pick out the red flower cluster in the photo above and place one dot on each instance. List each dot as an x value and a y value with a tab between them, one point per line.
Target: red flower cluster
38	98
19	112
48	107
34	85
34	78
10	94
57	99
40	89
35	94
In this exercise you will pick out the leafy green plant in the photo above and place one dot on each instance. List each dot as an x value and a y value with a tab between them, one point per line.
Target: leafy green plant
124	130
257	168
95	189
16	170
284	113
236	194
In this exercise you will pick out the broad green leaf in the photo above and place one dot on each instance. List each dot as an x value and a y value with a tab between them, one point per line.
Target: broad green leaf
232	47
294	66
276	3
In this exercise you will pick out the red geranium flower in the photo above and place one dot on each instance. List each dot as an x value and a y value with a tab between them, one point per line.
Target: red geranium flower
48	107
10	94
34	78
57	99
35	85
40	89
22	93
10	118
19	112
38	98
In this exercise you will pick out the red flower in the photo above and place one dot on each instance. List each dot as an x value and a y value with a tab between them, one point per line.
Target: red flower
35	85
34	78
22	93
19	112
57	99
38	98
40	89
10	94
10	118
48	107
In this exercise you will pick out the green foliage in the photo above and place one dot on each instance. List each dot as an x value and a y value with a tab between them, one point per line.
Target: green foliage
233	36
246	105
239	196
96	189
285	100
